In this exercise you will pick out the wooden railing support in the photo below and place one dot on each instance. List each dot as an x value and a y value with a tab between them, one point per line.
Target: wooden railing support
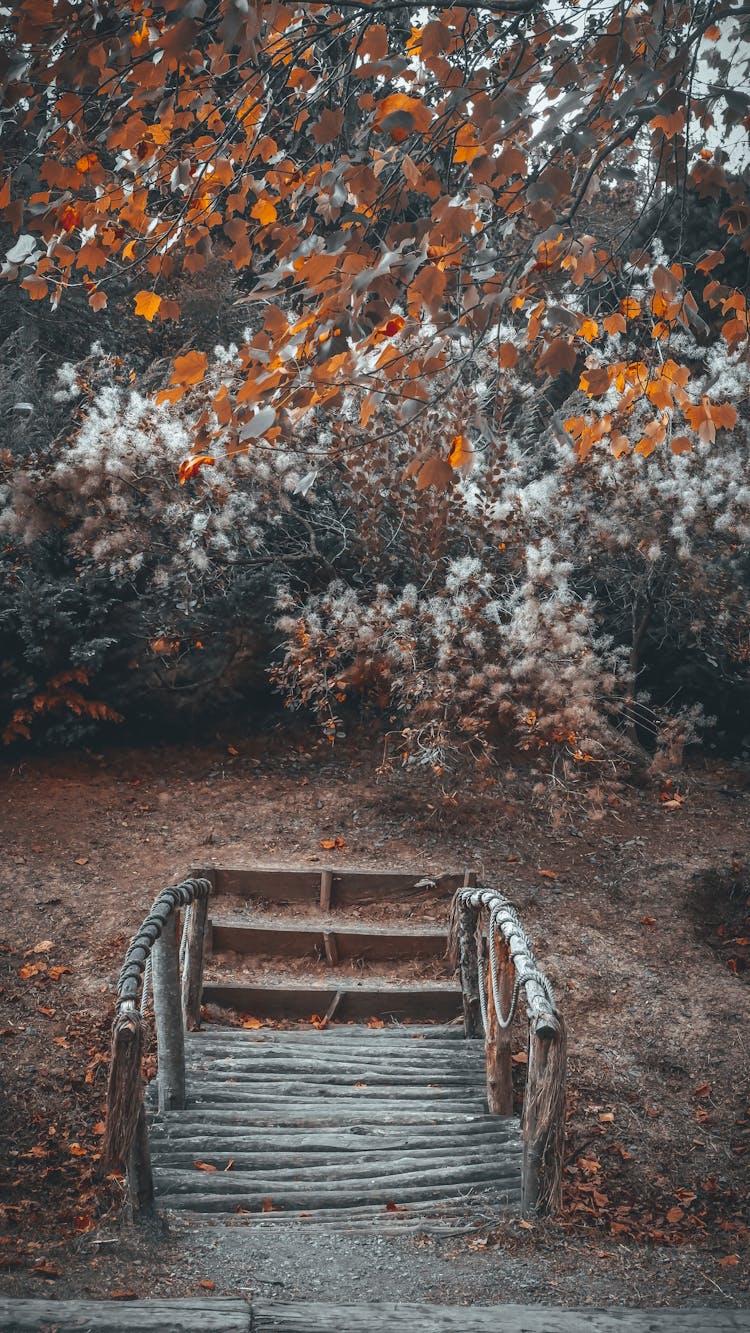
544	1120
193	981
469	963
138	1172
170	1035
497	1040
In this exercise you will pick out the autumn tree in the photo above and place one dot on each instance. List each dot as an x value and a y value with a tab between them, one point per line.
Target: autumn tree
372	170
492	265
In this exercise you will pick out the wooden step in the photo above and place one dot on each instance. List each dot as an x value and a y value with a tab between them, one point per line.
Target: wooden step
332	939
332	1124
348	888
428	1002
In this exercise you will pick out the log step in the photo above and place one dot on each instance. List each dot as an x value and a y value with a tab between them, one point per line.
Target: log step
331	1125
347	1002
326	939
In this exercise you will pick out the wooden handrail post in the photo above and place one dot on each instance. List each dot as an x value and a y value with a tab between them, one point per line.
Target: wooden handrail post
544	1120
170	1036
497	1039
469	963
193	981
139	1175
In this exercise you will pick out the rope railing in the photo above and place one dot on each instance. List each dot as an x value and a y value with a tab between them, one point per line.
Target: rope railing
153	962
488	944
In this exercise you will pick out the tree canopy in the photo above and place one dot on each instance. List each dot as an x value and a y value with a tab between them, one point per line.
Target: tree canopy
399	188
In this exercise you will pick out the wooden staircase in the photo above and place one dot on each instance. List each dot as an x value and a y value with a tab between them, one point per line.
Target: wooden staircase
350	1097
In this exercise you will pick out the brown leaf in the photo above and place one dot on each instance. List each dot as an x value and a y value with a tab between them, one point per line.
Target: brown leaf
729	1261
328	128
203	1166
207	1284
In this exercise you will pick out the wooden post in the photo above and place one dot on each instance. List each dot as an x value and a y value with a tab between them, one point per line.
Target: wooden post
326	890
193	983
543	1121
170	1036
469	963
139	1175
497	1039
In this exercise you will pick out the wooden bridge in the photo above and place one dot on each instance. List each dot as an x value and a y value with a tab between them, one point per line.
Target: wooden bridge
343	1092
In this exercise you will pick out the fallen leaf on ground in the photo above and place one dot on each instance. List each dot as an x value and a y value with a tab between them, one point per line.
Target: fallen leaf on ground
207	1284
203	1166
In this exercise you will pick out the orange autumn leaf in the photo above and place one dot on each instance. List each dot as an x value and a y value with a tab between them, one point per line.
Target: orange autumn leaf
629	307
461	453
192	466
328	844
589	330
204	1166
548	874
706	417
147	304
207	1284
265	212
252	1023
189	369
70	218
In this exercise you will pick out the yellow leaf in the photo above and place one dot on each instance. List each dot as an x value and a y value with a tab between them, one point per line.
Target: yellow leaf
462	452
264	211
589	330
629	307
147	304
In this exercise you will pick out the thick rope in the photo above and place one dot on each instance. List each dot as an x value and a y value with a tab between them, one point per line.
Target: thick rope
501	913
146	987
139	949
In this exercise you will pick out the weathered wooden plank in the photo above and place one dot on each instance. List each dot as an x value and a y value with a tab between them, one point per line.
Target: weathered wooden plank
349	888
215	1315
440	1003
272	1317
328	1115
246	1156
488	1133
172	1193
228	1315
439	1033
339	1166
292	940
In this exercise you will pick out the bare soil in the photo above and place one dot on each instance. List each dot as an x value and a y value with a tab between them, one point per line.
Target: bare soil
642	922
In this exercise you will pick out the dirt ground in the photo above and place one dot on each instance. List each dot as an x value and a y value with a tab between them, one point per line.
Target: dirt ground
641	917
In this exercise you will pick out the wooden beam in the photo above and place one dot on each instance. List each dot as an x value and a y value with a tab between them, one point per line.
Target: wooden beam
326	890
497	1040
139	1175
170	1034
437	1004
469	963
193	985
